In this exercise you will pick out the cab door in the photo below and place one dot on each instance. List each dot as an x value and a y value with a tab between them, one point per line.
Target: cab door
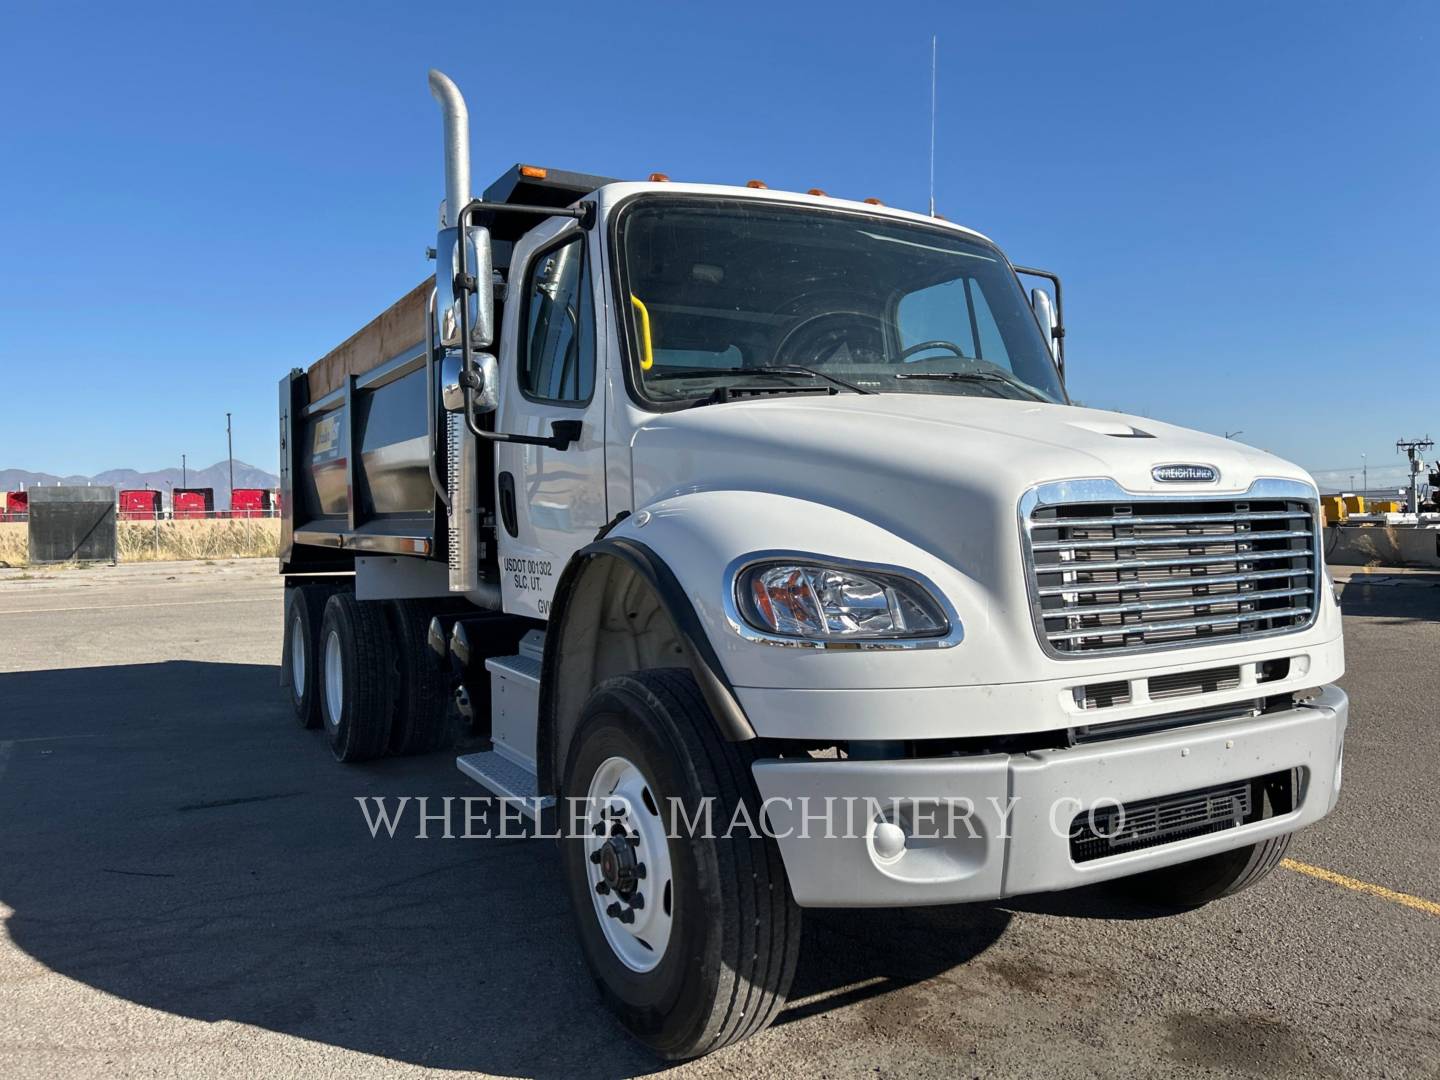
550	503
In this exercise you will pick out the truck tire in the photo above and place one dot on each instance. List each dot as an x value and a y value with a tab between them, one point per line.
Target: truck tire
705	956
1194	884
304	609
422	721
356	678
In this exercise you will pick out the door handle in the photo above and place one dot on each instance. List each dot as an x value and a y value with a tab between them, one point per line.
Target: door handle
507	504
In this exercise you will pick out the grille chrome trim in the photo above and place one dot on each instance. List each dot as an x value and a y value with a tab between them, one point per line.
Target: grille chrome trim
1076	616
1170	582
1204	600
1197	519
1178	540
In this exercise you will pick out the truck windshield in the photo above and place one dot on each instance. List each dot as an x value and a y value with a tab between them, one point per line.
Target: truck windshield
718	291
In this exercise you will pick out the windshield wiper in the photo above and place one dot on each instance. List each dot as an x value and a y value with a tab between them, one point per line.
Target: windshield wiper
785	369
974	376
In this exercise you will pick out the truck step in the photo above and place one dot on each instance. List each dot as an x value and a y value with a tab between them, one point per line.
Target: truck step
505	778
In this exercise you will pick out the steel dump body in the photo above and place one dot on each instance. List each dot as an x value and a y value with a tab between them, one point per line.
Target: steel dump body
359	426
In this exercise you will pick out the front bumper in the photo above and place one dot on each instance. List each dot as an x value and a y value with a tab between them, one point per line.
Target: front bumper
993	825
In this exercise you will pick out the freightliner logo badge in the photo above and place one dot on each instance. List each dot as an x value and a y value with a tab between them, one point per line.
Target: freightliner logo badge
1185	474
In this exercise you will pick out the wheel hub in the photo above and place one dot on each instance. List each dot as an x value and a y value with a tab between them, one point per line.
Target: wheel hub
619	868
628	859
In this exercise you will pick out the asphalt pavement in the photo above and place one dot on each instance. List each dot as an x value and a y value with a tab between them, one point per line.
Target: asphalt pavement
188	887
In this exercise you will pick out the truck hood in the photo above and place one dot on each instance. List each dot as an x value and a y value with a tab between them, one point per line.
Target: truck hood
945	471
818	444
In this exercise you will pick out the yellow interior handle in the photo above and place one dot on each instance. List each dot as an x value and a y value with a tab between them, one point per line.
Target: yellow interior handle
647	349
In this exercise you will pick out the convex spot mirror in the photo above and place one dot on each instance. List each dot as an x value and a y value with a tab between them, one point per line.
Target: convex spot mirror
448	292
484	399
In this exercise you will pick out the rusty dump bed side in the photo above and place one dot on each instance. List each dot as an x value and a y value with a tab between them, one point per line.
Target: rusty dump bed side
384	337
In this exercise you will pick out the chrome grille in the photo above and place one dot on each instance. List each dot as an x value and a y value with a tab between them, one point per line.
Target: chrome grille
1118	575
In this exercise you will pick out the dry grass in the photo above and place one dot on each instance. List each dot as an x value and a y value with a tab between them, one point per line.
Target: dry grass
13	543
243	538
144	541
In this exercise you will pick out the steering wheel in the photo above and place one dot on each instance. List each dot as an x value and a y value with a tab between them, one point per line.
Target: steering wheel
921	346
826	340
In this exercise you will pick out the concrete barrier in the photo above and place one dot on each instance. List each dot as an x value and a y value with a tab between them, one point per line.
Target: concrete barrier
1382	545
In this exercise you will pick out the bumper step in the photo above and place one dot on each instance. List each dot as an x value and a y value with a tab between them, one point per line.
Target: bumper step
503	777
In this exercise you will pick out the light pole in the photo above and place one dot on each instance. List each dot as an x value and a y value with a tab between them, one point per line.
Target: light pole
1232	434
230	451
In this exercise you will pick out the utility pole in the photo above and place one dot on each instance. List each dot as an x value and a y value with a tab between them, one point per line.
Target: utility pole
184	475
230	450
1412	448
1365	475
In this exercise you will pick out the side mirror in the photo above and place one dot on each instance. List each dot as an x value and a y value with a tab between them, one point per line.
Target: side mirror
477	288
484	399
1045	316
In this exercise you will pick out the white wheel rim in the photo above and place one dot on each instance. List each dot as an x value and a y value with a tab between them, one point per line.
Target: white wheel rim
624	809
297	658
334	679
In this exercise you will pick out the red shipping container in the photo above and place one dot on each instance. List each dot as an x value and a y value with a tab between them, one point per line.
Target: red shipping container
192	503
251	502
138	504
17	505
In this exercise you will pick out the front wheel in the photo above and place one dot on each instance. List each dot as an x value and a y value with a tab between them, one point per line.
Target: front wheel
1194	884
691	935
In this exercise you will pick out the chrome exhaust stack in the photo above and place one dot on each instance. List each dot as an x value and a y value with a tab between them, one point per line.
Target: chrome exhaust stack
457	144
462	488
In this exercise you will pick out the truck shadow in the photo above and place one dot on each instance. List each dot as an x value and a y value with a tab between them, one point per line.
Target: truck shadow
1395	597
176	841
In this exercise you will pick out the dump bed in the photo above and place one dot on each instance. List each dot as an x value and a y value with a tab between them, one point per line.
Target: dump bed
359	460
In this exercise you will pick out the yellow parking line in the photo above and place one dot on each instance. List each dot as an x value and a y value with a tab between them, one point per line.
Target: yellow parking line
1430	907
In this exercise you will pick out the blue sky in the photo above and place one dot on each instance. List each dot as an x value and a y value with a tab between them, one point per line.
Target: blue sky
1241	197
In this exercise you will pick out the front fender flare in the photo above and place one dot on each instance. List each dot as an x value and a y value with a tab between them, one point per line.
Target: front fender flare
574	603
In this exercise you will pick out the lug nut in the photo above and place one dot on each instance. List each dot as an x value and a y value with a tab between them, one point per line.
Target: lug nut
595	856
614	912
599	829
637	901
601	888
628	915
640	870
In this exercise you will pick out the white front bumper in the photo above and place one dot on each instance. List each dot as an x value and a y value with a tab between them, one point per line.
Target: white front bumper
1022	806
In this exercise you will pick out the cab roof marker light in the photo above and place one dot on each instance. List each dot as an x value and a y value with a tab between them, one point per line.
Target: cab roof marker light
873	202
534	172
757	184
818	191
658	178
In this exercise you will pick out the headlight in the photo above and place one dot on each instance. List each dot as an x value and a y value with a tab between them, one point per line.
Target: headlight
834	605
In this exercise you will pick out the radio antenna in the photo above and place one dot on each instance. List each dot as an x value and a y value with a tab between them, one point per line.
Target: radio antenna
933	51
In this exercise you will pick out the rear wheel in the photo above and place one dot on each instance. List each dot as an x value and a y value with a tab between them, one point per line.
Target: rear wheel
422	721
355	677
1194	884
304	610
692	939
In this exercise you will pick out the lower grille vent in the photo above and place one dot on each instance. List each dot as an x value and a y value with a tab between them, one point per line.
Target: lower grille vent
1186	683
1111	830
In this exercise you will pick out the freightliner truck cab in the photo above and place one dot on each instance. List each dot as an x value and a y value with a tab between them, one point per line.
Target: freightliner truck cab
751	539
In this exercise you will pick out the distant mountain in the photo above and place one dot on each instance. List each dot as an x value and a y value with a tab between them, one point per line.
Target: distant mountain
217	476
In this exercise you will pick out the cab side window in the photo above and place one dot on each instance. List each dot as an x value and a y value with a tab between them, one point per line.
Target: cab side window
557	356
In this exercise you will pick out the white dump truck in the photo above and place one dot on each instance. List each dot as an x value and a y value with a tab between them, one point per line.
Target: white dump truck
771	508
